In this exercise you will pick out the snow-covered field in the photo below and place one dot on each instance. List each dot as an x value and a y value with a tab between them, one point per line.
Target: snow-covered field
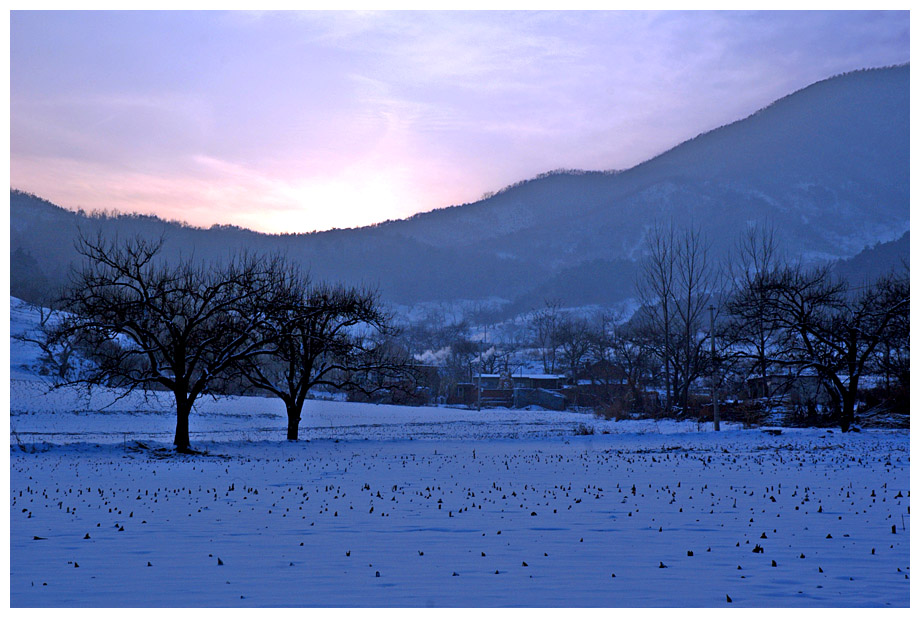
395	506
451	509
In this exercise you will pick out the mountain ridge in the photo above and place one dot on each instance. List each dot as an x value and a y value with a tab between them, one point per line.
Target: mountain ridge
687	152
828	166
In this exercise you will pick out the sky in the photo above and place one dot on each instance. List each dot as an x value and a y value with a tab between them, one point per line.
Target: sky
289	122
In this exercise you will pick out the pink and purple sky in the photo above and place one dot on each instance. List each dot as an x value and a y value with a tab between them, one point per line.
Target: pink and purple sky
302	121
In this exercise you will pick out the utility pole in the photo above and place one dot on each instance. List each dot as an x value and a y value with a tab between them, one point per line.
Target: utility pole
479	386
715	393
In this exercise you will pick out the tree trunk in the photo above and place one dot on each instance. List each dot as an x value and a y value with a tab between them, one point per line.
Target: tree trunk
847	414
836	406
182	442
667	360
848	408
293	415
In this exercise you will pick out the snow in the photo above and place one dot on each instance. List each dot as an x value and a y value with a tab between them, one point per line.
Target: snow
521	374
447	505
23	356
253	501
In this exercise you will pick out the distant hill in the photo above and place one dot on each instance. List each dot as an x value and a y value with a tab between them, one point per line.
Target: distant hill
875	261
827	166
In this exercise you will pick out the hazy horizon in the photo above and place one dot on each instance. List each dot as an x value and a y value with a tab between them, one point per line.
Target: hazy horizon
295	122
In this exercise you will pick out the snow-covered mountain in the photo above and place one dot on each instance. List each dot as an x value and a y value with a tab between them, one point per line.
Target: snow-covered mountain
812	162
828	166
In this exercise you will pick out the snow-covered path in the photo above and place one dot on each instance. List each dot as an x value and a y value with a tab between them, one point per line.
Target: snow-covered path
540	520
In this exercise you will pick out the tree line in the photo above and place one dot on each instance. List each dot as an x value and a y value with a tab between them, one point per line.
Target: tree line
771	318
753	322
257	322
192	328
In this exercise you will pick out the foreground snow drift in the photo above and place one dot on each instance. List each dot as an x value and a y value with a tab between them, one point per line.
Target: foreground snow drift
461	514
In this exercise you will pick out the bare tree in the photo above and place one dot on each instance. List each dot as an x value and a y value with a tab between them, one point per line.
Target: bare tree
632	349
58	350
574	337
676	285
496	358
545	323
752	335
464	354
832	329
434	331
601	336
322	335
892	357
655	289
155	326
695	283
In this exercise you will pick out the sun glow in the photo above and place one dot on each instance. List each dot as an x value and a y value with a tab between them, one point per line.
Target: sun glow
321	204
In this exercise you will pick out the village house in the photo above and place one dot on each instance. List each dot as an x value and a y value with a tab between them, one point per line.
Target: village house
511	391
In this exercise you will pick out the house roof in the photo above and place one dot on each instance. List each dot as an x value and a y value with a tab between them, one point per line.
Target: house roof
532	376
